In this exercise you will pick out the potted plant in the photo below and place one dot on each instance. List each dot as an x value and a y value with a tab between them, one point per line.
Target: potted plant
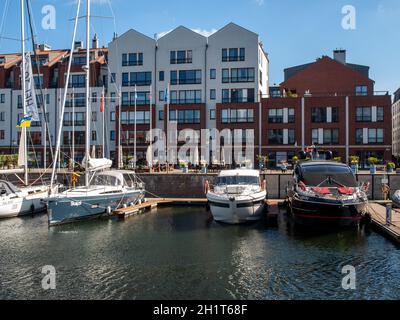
373	161
337	159
261	161
354	161
295	159
390	167
184	166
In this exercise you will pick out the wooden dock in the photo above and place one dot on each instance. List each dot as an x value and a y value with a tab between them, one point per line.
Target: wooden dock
153	203
377	212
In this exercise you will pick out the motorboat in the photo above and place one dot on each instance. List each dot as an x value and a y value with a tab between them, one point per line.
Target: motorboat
237	196
107	191
326	192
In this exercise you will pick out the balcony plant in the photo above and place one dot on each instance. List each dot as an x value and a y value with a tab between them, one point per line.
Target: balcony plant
373	161
390	167
337	159
184	166
261	161
354	162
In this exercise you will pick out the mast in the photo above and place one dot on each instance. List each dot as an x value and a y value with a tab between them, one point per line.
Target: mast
134	142
103	98
73	129
23	75
88	114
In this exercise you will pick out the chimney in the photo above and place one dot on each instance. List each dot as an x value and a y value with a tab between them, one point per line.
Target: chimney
78	45
339	55
95	42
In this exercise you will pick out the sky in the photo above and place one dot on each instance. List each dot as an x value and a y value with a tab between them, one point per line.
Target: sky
293	32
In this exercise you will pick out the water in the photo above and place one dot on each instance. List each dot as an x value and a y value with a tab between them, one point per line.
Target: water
180	253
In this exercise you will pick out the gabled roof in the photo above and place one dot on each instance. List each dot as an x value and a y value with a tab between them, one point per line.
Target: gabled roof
182	29
232	25
132	31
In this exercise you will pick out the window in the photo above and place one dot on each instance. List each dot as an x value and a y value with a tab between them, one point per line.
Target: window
77	81
112	116
212	114
275	115
2	116
185	116
161	115
380	114
330	136
237	115
291	115
213	74
233	54
237	95
132	59
186	77
291	136
94	116
161	95
112	135
364	114
242	75
181	56
161	76
112	78
94	97
359	136
2	135
335	115
225	75
140	78
275	136
318	115
213	94
80	60
2	98
361	90
185	97
375	136
94	135
19	102
79	118
112	96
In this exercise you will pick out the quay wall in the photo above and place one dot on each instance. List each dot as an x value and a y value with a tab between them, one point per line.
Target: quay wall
178	185
192	185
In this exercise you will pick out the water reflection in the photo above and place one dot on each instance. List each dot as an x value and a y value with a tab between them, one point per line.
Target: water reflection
181	253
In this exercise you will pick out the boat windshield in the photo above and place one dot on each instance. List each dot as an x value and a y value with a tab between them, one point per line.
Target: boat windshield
328	176
237	180
105	180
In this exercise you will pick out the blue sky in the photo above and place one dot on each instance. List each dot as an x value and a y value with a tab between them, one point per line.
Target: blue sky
293	31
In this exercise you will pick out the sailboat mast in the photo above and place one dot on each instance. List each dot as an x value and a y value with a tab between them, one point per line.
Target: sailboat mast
24	129
88	114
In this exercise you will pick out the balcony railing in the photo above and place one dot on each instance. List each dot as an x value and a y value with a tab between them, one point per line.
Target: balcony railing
181	61
237	100
137	83
69	123
138	103
132	63
238	79
233	58
185	101
186	81
238	120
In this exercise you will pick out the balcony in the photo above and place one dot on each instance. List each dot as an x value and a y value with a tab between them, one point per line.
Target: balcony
238	100
69	123
238	79
233	58
138	103
238	120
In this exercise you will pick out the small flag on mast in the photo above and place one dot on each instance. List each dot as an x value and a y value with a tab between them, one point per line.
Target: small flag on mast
25	122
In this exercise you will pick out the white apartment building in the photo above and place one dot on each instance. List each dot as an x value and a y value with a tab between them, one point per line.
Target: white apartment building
230	66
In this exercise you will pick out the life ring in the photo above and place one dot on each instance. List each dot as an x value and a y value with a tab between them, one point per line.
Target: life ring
206	187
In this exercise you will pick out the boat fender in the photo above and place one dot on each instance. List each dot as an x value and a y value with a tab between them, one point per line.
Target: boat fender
108	210
206	187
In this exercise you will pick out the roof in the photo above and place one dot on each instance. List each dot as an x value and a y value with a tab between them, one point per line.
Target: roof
239	172
292	71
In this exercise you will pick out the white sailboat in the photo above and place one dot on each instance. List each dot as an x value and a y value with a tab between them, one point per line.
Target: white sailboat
104	190
16	201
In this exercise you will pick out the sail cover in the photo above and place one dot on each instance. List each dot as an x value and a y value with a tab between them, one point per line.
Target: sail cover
99	164
30	96
21	150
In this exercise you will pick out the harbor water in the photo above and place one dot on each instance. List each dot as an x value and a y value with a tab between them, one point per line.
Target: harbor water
181	253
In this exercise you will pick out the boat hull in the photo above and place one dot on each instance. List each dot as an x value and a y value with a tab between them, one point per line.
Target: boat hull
313	213
67	209
10	208
237	210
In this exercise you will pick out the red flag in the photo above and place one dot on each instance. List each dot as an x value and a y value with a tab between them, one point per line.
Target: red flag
102	103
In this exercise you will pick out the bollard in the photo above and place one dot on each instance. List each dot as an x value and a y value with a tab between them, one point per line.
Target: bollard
388	214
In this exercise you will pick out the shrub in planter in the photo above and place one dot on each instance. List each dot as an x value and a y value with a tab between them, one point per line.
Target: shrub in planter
337	159
390	167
